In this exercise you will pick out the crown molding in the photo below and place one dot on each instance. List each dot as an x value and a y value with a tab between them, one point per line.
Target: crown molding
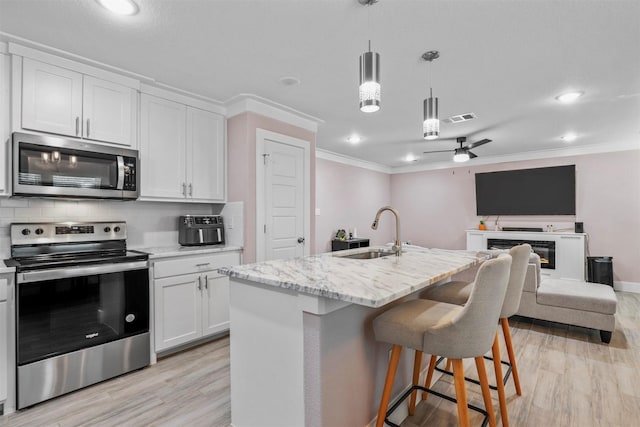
246	102
351	161
519	157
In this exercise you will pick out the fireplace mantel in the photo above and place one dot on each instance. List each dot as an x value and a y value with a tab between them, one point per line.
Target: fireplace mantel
570	261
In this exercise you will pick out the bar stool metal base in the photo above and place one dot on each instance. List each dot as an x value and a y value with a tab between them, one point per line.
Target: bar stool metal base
473	380
435	393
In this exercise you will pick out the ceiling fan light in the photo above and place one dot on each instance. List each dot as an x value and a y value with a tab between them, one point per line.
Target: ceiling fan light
431	124
460	155
369	82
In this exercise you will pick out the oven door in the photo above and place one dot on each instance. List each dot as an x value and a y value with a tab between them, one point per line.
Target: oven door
63	310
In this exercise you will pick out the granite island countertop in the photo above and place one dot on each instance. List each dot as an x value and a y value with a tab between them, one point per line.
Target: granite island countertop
368	282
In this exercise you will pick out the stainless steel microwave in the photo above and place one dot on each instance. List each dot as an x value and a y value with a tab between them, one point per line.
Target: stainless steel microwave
48	166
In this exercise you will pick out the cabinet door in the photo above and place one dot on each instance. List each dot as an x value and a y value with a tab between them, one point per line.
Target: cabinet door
205	155
5	133
475	241
570	257
51	98
108	111
4	322
178	310
215	304
162	148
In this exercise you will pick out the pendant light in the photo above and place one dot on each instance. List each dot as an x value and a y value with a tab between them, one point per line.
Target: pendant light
369	89
431	123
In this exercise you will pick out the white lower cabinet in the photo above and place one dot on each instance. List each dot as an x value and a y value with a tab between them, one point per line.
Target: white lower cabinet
191	299
4	322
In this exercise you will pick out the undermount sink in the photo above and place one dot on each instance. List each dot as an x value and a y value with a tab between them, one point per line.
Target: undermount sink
370	254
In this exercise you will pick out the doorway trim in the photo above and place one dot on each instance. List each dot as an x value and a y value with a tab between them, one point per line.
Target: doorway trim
263	135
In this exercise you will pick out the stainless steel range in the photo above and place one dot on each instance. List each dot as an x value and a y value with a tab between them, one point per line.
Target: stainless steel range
82	306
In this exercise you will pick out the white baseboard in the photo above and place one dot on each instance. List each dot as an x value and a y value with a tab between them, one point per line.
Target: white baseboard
627	287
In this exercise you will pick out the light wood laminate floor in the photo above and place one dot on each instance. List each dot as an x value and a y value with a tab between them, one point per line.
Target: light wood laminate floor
569	378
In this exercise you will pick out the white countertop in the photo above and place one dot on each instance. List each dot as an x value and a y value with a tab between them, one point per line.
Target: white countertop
370	282
6	270
177	250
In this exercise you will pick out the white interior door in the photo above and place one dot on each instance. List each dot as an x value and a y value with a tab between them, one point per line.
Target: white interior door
283	183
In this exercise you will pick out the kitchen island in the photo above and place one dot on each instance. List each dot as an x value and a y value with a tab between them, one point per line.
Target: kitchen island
302	345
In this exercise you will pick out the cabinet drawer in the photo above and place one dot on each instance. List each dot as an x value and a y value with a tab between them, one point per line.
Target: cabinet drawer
195	264
3	289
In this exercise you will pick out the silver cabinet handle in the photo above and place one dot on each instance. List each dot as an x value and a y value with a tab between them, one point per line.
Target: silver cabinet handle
200	283
184	189
203	264
77	125
88	128
190	189
206	282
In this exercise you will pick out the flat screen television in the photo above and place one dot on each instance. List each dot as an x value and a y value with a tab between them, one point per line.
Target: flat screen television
540	191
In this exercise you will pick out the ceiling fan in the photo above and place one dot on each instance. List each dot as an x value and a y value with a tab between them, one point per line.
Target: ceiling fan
462	154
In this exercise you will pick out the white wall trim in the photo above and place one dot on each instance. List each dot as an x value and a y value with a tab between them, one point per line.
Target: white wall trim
183	97
64	59
246	102
627	287
261	136
351	161
518	157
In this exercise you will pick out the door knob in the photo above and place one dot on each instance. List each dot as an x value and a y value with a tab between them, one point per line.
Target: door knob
300	239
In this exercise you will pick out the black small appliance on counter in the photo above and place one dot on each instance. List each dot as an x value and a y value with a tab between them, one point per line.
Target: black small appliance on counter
198	230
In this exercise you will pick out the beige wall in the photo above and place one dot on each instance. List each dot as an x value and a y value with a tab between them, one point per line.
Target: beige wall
241	186
349	197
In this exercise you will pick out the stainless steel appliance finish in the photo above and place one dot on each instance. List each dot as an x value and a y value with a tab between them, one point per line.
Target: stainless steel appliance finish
196	230
56	376
82	306
48	166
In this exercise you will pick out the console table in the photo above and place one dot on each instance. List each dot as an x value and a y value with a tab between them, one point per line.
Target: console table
570	249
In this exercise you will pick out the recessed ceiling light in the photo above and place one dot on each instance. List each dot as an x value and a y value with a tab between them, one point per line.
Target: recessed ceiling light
570	137
120	7
289	81
354	139
569	97
411	158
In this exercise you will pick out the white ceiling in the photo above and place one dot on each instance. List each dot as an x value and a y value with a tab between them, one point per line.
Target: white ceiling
502	60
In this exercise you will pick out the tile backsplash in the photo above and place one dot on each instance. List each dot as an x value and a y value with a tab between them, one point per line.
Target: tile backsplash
148	223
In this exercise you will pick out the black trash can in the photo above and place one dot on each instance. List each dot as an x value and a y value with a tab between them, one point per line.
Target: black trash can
600	270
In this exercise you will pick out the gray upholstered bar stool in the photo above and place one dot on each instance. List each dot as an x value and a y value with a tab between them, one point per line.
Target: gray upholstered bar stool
448	330
459	292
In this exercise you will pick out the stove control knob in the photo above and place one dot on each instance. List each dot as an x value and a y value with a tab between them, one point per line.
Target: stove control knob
39	231
26	231
107	229
116	229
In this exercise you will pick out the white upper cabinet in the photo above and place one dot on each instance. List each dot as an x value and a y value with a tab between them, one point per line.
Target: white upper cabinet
51	98
107	111
206	155
65	102
183	152
162	148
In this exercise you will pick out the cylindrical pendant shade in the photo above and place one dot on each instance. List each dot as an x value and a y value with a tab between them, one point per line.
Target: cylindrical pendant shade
369	82
431	124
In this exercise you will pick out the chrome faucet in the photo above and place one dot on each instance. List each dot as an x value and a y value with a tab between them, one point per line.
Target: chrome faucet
397	247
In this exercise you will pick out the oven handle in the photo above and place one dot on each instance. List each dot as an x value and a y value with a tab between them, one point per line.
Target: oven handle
63	273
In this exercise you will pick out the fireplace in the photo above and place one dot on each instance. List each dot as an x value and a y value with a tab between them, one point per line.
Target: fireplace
544	248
